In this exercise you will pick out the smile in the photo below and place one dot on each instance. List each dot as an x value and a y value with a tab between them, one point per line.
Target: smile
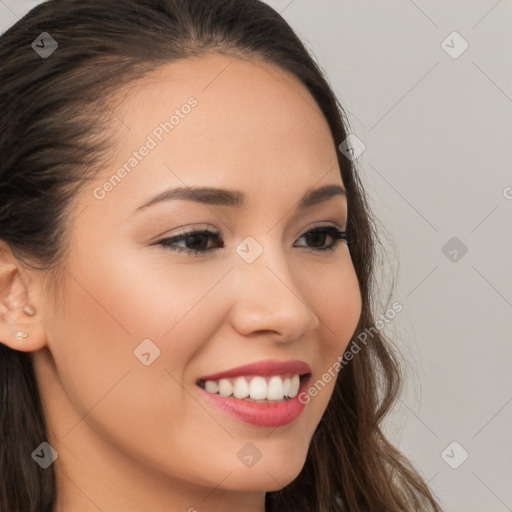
255	388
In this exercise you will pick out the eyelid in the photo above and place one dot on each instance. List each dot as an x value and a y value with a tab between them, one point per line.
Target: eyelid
208	227
192	229
325	224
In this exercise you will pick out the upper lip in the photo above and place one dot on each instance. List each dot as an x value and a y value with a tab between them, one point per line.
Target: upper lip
269	367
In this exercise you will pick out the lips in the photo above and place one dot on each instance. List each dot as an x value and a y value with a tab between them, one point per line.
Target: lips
260	413
269	367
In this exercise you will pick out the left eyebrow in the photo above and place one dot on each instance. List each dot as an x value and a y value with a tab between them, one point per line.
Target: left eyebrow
236	198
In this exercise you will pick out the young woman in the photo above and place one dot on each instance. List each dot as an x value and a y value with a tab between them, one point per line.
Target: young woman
185	271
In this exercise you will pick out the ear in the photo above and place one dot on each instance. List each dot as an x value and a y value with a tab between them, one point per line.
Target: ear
17	313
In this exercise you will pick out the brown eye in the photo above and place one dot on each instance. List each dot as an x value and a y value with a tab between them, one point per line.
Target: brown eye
197	241
318	235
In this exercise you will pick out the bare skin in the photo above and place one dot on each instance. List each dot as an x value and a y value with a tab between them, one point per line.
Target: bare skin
135	438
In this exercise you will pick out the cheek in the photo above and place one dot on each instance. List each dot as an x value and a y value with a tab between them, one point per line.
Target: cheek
139	408
338	304
336	299
125	307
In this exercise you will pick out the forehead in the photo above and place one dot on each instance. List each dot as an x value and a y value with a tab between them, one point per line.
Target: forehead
251	124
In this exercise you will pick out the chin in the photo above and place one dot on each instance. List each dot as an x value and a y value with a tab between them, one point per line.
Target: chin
262	482
272	476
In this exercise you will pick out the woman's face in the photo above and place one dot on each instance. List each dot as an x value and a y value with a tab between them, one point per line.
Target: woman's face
142	322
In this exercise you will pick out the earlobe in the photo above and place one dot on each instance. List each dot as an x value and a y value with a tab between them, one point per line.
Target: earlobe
20	326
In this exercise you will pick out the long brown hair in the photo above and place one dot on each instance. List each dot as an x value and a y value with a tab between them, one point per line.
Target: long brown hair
56	112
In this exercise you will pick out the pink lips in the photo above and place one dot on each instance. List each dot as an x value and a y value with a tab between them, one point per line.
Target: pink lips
271	414
270	367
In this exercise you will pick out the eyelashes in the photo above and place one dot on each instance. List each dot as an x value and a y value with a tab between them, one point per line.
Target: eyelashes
194	238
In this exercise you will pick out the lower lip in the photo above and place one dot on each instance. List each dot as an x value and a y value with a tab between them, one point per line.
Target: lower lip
273	414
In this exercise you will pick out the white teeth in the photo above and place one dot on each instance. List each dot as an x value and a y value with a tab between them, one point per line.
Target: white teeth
286	386
256	388
225	387
211	386
275	389
294	385
241	388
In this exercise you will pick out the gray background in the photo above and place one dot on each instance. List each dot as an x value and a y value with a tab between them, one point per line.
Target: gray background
437	132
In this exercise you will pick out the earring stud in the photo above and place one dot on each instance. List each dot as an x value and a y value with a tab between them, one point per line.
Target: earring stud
21	334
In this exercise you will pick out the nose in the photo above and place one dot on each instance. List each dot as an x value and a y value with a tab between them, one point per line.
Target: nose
267	300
